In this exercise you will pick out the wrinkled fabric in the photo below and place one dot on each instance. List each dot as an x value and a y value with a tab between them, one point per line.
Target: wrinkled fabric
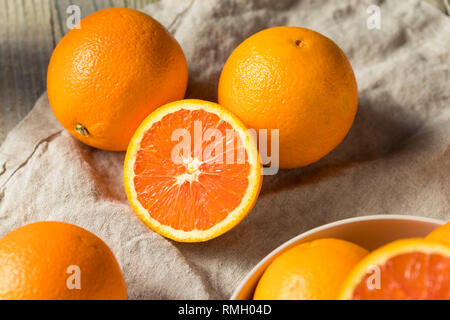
395	160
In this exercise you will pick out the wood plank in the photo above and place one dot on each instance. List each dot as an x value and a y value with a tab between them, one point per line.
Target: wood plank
23	51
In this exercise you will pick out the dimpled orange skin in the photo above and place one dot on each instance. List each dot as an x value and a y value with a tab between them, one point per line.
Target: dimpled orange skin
34	262
295	80
310	271
109	75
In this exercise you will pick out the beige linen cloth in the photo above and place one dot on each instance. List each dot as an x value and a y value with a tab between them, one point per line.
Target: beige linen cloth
396	159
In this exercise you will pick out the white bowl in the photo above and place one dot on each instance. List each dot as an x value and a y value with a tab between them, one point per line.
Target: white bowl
369	232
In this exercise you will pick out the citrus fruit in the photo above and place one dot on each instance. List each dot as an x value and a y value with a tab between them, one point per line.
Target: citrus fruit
58	261
192	171
441	234
310	271
106	77
408	269
296	81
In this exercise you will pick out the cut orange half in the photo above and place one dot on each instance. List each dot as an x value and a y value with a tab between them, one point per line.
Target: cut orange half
409	269
192	171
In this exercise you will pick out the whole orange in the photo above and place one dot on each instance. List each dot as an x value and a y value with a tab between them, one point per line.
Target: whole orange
310	271
107	76
294	80
58	261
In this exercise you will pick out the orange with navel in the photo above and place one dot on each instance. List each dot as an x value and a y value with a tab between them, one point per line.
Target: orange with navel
107	76
294	80
58	261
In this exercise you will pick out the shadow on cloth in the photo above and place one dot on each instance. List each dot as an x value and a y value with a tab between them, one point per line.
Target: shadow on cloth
375	134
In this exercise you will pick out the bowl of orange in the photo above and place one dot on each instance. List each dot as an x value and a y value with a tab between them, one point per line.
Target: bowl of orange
357	240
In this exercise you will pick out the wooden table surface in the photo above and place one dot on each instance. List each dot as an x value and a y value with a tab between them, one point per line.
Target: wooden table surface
29	31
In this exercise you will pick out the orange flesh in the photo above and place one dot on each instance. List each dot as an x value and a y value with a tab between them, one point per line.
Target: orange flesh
195	195
410	276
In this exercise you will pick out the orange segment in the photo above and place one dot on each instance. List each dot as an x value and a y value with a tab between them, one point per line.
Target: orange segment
410	269
192	171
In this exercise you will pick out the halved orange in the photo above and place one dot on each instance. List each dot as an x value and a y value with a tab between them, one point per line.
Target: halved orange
408	269
192	171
